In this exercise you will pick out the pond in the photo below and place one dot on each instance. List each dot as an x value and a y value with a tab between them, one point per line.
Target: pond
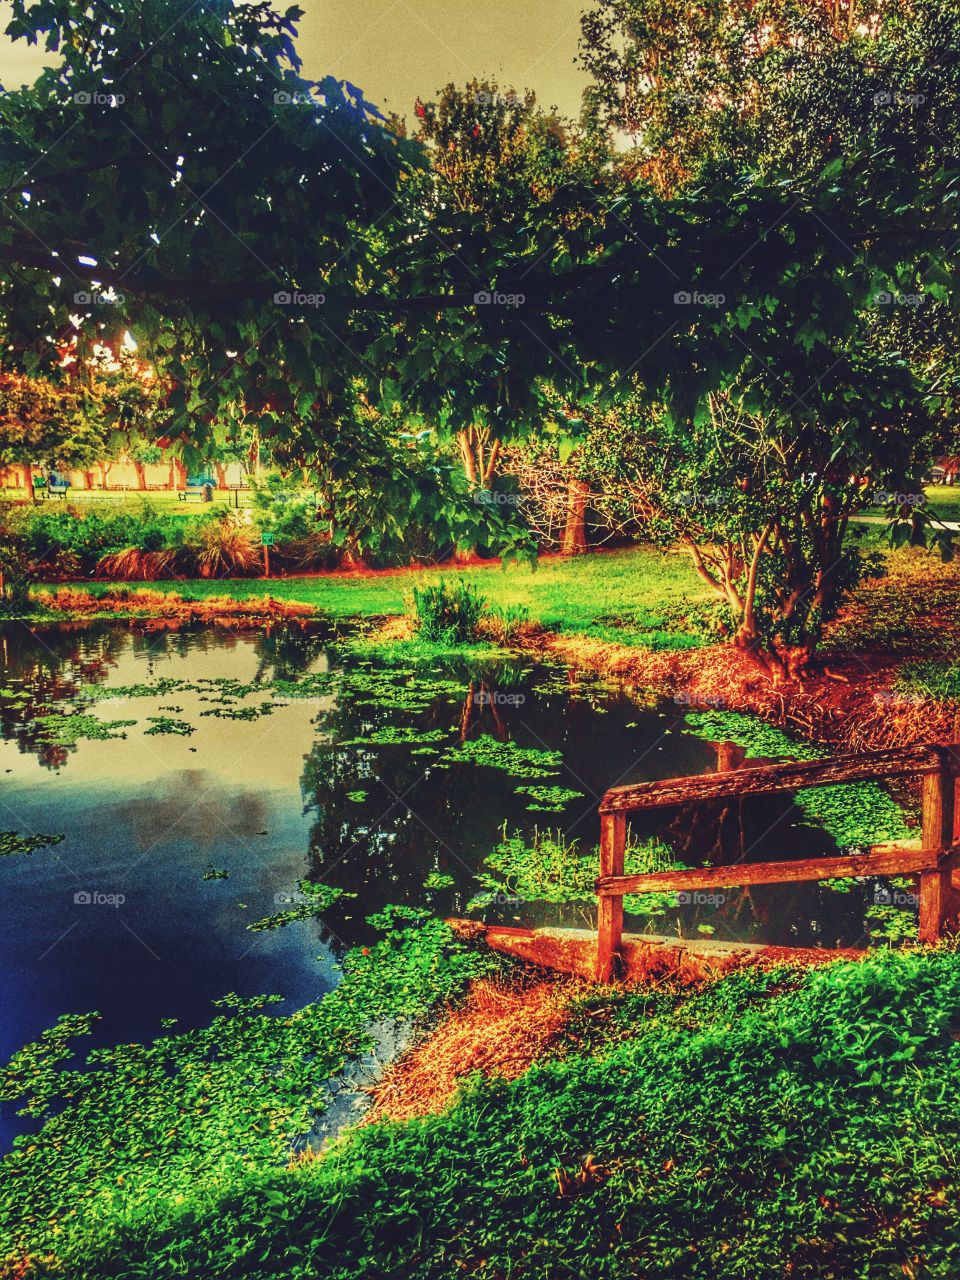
199	776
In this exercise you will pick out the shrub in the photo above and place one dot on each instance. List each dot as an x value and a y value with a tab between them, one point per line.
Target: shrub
769	1125
134	564
224	545
447	615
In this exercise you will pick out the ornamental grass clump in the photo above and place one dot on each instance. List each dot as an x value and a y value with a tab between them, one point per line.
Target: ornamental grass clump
447	615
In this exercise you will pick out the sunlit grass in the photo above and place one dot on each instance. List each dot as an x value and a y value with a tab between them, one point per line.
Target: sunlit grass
641	596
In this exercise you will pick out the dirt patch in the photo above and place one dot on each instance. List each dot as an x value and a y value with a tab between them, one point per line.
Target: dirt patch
499	1031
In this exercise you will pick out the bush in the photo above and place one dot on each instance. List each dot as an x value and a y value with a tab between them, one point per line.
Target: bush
70	541
447	615
223	545
135	565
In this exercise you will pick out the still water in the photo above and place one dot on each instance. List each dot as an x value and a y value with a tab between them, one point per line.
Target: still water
257	759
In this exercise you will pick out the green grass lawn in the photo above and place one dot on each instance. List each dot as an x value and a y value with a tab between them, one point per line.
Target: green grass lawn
642	595
945	501
162	500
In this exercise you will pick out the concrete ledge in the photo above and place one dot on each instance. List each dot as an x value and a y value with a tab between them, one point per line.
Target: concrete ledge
643	956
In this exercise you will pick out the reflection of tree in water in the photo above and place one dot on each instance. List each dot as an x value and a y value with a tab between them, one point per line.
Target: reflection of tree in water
46	667
285	650
722	833
415	818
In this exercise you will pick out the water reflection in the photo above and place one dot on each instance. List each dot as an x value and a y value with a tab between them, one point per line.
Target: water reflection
204	829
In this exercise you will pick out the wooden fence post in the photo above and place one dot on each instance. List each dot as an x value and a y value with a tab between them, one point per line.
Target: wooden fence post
613	840
938	900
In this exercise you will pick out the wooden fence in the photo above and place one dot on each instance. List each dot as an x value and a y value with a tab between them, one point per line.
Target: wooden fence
937	860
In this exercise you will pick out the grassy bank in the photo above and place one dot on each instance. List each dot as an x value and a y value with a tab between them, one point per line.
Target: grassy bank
641	596
779	1123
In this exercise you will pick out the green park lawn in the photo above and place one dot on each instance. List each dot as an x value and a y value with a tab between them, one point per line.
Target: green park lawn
642	595
161	500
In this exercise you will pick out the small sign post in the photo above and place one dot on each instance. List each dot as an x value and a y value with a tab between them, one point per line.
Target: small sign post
267	540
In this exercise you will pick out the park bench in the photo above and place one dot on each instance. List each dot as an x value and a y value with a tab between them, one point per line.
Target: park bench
201	487
935	857
45	487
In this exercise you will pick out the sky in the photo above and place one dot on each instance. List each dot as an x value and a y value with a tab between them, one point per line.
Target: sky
399	50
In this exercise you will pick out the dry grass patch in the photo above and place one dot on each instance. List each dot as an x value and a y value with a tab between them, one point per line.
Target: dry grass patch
499	1031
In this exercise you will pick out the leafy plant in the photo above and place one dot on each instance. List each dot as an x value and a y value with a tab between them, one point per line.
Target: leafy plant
548	799
177	1123
521	762
447	615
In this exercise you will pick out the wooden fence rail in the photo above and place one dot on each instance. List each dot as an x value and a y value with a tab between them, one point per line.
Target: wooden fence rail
937	860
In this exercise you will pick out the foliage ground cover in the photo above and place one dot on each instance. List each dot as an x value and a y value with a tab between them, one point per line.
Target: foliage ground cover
772	1123
854	814
153	1127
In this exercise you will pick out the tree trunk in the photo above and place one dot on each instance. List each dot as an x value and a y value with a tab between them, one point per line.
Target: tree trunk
253	464
180	474
88	480
221	475
574	541
141	471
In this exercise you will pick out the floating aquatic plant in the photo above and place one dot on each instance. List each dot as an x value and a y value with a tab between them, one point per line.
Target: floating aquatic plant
521	762
66	730
168	724
854	814
548	799
308	902
12	842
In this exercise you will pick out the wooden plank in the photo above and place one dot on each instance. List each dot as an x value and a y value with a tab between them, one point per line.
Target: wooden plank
894	863
785	776
939	902
613	840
